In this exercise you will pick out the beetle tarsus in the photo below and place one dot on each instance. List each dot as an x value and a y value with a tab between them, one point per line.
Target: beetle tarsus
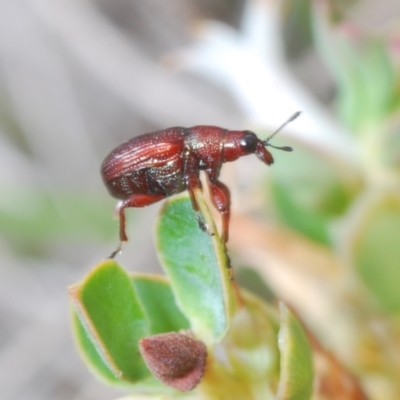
203	226
116	251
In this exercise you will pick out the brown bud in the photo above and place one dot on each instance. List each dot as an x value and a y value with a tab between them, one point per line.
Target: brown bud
175	359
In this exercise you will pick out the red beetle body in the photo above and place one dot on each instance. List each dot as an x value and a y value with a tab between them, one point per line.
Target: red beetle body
156	165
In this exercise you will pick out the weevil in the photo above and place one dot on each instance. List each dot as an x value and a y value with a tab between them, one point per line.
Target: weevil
156	165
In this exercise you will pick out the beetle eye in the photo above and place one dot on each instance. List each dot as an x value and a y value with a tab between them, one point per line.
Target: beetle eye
249	142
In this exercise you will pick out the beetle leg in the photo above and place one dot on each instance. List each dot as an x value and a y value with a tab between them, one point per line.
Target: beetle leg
136	200
221	199
193	182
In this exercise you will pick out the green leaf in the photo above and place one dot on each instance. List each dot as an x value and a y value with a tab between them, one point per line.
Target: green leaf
344	63
379	81
90	354
362	69
196	265
297	373
309	197
159	305
250	344
303	219
376	249
251	280
112	316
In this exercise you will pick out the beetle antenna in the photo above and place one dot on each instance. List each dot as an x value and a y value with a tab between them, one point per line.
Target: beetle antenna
284	148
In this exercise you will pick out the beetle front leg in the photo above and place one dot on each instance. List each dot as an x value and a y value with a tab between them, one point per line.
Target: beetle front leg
193	182
221	199
136	200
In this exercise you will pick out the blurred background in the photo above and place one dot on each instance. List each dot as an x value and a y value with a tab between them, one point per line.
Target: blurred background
321	227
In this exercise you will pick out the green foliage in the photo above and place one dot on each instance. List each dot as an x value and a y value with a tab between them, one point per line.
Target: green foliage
352	205
365	77
196	265
376	250
326	197
349	206
296	363
112	311
158	302
309	196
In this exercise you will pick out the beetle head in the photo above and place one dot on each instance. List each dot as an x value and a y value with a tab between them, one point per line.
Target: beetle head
242	143
249	143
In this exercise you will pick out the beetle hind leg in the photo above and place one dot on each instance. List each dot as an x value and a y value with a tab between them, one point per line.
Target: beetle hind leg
136	200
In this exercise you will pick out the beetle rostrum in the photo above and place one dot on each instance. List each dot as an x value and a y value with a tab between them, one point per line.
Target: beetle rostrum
153	166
